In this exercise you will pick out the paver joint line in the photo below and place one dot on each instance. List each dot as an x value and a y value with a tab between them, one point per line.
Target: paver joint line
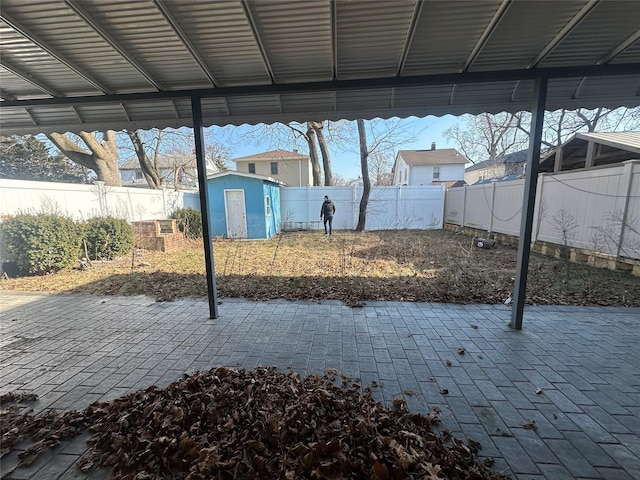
73	350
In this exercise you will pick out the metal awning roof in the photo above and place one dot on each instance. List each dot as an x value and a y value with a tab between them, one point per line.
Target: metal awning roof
69	65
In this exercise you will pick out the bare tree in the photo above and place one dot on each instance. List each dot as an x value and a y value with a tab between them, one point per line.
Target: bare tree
101	157
324	150
377	138
217	156
293	135
148	166
366	183
559	125
380	165
310	137
487	136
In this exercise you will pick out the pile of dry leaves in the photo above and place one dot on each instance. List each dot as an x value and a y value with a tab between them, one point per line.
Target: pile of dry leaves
228	423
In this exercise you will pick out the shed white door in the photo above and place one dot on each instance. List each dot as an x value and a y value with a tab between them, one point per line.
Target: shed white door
235	214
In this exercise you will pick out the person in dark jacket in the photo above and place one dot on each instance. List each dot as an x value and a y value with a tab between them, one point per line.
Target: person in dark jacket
327	210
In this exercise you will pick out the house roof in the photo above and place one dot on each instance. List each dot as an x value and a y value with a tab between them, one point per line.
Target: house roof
616	147
511	158
98	64
506	178
243	174
164	161
272	155
442	156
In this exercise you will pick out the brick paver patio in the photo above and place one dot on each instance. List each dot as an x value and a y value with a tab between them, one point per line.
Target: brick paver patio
73	350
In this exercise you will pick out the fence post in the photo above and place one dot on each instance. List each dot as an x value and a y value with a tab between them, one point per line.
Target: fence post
164	200
627	181
443	194
536	208
493	202
101	198
355	212
464	203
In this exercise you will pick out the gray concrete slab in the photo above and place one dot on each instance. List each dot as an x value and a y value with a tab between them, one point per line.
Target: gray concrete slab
72	350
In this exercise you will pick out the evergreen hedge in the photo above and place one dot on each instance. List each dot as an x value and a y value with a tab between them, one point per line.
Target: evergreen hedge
108	238
189	222
42	243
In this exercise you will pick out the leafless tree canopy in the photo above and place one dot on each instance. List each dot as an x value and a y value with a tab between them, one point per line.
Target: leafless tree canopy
95	151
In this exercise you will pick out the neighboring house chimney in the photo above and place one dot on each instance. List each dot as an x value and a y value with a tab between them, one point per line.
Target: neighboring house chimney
433	145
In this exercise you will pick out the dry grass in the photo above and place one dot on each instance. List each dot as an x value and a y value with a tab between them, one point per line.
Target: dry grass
433	266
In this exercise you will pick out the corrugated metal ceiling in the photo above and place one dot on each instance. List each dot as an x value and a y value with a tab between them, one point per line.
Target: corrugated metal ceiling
70	48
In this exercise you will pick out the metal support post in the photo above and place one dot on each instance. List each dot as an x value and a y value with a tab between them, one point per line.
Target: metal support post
198	134
528	202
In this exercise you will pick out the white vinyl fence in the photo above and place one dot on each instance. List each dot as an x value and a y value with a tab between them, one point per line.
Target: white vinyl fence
596	209
389	208
86	201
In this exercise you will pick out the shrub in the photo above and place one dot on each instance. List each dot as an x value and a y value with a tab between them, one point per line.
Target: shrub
108	238
189	222
42	243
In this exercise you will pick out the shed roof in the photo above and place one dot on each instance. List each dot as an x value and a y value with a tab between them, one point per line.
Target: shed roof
441	156
616	147
253	176
272	155
69	65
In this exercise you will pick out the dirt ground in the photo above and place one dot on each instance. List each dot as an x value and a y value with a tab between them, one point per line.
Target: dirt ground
425	266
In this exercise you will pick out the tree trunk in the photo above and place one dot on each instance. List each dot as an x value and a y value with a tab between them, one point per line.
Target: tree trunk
366	183
149	170
313	154
103	158
324	150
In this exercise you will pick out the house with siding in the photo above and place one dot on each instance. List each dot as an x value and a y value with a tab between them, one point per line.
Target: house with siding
443	166
178	171
291	168
511	164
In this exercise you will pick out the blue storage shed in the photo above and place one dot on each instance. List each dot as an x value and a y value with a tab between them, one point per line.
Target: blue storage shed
243	205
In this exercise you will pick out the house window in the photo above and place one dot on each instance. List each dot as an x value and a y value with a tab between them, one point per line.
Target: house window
252	168
138	175
436	173
274	168
267	204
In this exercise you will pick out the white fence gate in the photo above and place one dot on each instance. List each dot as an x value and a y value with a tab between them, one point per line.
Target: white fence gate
389	208
596	209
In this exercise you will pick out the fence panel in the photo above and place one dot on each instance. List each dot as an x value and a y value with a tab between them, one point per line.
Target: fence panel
477	207
388	207
86	201
454	201
583	208
507	209
578	209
